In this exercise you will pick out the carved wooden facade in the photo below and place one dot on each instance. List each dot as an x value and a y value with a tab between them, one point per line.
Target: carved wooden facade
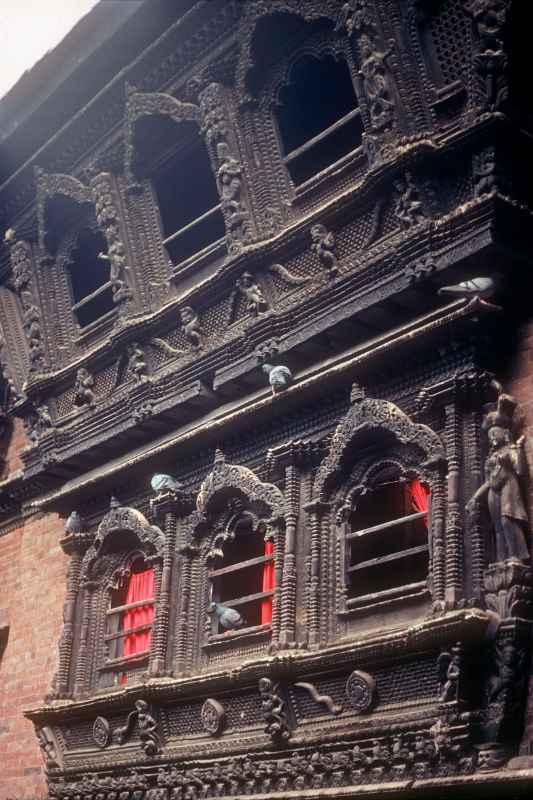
421	677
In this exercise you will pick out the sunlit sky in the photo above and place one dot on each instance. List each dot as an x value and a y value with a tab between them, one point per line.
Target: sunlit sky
29	28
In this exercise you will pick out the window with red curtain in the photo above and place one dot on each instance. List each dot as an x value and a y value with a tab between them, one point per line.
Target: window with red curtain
388	541
269	582
130	613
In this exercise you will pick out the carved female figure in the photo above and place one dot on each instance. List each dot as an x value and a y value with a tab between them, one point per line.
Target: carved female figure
504	467
375	83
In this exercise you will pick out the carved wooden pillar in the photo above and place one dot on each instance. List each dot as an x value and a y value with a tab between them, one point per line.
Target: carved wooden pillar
75	547
316	509
454	529
168	508
475	531
288	592
80	680
280	555
438	545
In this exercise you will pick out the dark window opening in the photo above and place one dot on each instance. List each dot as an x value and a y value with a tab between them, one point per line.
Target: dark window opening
129	619
189	203
388	544
319	119
90	279
245	579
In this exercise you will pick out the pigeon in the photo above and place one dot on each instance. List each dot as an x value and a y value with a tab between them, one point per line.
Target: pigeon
483	288
229	618
73	523
279	377
9	235
165	483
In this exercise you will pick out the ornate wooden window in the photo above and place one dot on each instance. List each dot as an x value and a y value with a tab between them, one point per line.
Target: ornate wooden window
189	203
89	277
319	119
129	618
386	541
242	576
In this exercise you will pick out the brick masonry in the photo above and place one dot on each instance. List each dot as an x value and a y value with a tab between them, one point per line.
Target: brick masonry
32	570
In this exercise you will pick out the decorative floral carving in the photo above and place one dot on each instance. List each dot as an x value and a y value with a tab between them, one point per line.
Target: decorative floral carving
361	691
273	708
101	732
213	716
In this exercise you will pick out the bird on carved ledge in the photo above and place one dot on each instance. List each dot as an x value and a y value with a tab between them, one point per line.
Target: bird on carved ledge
481	287
229	618
279	377
73	523
165	483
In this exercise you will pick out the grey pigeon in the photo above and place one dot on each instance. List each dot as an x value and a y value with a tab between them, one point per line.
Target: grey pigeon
279	377
229	618
165	483
73	523
482	287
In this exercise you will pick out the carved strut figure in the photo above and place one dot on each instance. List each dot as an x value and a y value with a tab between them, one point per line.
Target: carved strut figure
279	377
323	244
190	325
375	83
137	363
253	294
449	666
83	391
408	208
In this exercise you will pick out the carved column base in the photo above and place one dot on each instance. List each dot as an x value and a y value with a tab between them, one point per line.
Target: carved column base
508	589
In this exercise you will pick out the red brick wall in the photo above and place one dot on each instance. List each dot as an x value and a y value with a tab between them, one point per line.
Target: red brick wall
17	442
32	574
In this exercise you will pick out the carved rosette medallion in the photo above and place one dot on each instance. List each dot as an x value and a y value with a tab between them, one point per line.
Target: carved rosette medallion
101	732
361	691
213	716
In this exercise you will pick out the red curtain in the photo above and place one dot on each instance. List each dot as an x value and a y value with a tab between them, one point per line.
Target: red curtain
140	587
419	494
269	581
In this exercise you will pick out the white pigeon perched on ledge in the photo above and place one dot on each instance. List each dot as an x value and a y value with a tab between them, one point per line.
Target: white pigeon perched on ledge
165	483
482	287
279	377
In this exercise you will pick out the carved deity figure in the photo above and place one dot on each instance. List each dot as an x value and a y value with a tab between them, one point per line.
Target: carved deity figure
375	82
83	389
449	665
489	16
137	363
408	208
252	292
485	172
323	244
190	325
229	180
504	467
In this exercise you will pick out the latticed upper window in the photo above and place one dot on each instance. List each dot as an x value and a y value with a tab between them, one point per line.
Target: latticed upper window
446	40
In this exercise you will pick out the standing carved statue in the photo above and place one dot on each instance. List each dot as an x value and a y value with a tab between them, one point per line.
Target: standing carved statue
504	467
375	81
147	726
137	363
229	179
323	244
190	325
83	389
449	665
252	292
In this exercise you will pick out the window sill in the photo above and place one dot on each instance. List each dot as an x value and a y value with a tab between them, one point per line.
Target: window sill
355	157
215	252
125	662
388	598
99	326
257	633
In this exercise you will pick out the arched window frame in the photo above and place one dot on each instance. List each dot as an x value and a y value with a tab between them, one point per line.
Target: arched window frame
226	494
123	536
368	476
